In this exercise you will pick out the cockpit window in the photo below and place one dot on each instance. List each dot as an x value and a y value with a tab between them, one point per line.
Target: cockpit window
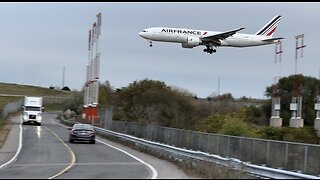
144	31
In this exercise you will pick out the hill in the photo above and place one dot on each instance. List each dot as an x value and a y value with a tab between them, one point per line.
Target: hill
13	92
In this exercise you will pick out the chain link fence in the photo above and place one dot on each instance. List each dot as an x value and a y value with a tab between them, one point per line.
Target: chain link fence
297	157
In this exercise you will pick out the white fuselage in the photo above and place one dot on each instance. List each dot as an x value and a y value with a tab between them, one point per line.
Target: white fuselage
178	35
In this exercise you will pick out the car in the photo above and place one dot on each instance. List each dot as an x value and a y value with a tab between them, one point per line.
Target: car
82	132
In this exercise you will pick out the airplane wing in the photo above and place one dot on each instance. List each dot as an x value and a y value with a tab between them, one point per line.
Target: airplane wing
272	39
220	36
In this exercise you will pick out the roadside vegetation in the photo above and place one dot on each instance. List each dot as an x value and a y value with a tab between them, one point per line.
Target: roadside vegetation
153	102
4	131
27	90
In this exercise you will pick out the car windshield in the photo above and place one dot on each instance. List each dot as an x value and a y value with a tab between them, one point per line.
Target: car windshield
83	126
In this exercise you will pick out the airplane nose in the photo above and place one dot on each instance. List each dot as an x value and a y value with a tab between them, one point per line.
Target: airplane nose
140	34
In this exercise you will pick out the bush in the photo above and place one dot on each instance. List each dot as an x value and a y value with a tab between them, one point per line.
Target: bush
237	127
302	135
212	124
66	88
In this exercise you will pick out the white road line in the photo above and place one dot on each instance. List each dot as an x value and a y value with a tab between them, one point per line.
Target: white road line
19	147
154	172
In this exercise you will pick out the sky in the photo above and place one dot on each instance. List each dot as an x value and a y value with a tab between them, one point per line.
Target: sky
38	39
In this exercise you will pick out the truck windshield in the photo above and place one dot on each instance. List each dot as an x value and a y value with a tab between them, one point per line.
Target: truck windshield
32	108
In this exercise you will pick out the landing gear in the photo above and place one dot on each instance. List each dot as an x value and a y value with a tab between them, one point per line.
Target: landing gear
150	43
210	50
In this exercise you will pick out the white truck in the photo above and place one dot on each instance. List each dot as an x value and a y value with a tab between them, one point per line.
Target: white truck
32	110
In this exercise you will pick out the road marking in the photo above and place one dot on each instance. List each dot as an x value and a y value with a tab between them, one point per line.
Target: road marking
19	147
86	164
73	156
154	172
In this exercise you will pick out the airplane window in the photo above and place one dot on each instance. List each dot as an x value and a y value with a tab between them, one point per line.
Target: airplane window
144	31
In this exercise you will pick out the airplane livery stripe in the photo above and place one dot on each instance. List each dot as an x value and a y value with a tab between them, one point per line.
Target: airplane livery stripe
271	27
266	29
266	33
275	21
271	32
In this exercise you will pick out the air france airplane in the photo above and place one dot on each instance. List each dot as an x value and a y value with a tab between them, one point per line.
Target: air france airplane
190	38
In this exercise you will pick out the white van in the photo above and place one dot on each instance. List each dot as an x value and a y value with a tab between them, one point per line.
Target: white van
32	110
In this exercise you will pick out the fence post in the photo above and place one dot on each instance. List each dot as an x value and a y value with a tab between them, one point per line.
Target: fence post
268	151
218	145
286	157
305	159
228	155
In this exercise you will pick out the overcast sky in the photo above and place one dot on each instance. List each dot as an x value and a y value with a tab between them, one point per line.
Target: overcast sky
38	39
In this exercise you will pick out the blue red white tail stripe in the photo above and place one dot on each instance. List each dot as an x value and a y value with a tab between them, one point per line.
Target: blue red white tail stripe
270	27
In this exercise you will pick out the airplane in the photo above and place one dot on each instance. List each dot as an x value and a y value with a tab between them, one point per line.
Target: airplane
190	38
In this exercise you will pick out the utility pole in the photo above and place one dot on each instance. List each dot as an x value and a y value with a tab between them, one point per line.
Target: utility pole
296	120
219	86
317	108
301	46
91	89
275	120
63	75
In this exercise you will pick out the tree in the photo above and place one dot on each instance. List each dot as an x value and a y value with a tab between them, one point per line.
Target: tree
149	101
107	96
66	88
288	87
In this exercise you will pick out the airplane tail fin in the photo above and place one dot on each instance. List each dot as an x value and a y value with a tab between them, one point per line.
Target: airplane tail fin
270	27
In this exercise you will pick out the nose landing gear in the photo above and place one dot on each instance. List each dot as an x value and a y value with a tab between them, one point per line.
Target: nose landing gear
150	43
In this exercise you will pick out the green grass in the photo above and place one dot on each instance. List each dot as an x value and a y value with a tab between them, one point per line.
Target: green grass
2	123
54	107
6	100
26	90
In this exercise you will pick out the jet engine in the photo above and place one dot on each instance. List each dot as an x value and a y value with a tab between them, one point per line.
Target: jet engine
191	42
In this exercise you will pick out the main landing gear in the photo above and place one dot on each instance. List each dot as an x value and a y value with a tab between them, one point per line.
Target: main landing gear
210	50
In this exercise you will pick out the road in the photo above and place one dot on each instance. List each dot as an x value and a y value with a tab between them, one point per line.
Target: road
46	153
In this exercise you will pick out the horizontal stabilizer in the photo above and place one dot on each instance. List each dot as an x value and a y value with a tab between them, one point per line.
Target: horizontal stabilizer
272	39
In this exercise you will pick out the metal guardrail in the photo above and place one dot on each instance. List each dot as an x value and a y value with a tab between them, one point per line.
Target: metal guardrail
227	162
231	163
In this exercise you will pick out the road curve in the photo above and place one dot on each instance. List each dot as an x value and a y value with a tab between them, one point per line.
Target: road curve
46	153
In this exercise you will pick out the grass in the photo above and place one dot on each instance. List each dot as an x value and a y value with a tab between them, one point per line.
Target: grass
26	90
7	99
54	107
4	131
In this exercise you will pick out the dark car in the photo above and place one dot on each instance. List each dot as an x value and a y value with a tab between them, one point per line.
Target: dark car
82	132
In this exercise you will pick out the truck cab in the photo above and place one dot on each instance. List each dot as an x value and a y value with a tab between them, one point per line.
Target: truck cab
32	110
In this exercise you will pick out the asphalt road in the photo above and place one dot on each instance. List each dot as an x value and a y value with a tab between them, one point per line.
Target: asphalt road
46	153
